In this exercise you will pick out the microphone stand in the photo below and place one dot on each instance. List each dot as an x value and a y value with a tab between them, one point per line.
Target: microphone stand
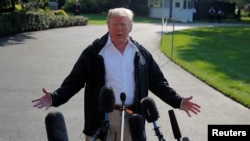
158	133
123	98
151	114
102	129
106	105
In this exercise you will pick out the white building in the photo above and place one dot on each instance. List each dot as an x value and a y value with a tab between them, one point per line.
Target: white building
179	10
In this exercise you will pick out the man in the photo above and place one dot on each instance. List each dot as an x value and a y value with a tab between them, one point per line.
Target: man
220	15
76	8
115	60
211	14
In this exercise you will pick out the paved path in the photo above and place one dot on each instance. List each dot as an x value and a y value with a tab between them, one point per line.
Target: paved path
33	60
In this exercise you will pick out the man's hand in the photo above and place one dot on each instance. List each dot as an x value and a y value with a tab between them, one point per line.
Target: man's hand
188	106
44	101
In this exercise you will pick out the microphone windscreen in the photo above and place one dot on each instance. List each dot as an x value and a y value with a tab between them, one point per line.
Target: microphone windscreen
106	100
137	127
149	109
56	127
174	124
123	97
185	139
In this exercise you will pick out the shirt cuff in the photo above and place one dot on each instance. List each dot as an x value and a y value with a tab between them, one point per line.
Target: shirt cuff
181	104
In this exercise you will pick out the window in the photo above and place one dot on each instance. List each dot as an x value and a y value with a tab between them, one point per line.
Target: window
158	3
167	3
190	4
155	3
177	4
185	4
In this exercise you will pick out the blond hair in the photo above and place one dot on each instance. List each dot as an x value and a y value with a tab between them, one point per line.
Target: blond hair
120	12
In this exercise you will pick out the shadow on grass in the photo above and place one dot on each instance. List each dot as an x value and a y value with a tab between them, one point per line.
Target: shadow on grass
219	50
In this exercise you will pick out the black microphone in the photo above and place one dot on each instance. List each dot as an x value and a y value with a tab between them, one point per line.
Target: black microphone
106	100
149	109
185	139
123	97
137	127
151	114
56	127
106	105
174	124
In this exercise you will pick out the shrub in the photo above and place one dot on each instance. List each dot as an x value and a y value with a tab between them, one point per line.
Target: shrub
13	23
61	12
18	7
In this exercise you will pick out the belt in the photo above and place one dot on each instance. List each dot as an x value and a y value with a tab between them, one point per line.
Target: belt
127	109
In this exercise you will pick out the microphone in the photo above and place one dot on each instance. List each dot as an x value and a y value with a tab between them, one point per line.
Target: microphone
123	98
137	127
106	100
175	126
106	105
185	139
151	114
56	127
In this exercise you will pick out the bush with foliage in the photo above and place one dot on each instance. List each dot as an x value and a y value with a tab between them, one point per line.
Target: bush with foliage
13	23
61	12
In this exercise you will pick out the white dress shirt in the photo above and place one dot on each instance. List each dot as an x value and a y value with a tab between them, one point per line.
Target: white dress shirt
119	70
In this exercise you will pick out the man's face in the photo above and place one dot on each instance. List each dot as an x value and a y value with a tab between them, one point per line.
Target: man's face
119	28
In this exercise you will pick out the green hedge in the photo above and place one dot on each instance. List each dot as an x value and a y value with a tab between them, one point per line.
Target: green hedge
13	23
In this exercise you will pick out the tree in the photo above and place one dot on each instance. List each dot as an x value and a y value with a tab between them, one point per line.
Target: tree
241	3
7	5
120	3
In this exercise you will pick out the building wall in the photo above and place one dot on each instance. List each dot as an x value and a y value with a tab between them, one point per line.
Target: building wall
159	12
179	10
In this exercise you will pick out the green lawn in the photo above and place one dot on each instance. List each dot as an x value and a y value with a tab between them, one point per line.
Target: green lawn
217	55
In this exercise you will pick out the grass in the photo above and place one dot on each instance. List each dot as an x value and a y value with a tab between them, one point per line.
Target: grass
217	55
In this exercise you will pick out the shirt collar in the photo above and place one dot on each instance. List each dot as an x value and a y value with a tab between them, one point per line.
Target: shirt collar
109	42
